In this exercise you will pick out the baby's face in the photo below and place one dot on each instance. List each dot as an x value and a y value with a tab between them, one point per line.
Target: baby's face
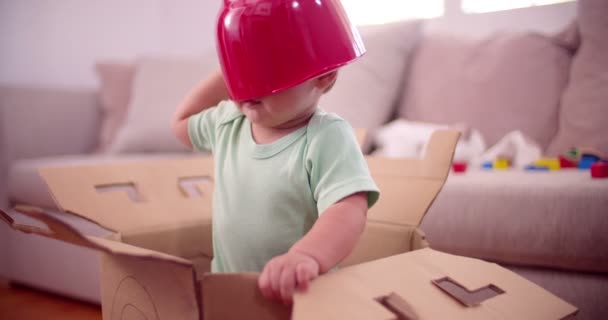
278	109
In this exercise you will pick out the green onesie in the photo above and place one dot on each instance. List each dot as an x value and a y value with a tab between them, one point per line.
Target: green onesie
268	196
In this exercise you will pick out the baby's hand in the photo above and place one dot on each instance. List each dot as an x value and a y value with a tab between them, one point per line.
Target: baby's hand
284	274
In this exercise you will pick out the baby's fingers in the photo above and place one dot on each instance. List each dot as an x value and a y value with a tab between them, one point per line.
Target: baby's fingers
288	284
274	276
264	283
303	276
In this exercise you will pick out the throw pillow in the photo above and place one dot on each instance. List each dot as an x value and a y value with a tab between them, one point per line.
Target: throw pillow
160	84
366	91
584	107
507	82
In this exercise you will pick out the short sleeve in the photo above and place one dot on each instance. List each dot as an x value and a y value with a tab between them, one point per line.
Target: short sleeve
337	167
203	126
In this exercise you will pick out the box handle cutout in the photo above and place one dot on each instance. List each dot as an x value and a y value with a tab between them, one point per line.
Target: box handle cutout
189	186
129	188
398	306
463	295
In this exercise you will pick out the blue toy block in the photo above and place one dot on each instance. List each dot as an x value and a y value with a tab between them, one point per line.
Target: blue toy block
587	160
536	168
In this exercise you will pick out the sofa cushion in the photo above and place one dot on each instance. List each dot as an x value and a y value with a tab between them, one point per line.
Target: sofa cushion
510	81
27	187
160	84
366	91
47	121
584	108
556	219
587	291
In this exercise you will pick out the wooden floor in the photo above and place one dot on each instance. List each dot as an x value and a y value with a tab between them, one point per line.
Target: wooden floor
22	303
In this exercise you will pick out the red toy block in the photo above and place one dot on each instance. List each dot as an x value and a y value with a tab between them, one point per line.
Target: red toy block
565	162
599	169
459	166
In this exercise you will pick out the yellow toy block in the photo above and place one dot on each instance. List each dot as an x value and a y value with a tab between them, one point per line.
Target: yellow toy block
551	163
501	164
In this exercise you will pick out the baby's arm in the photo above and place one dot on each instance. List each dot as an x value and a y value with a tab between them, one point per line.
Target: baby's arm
330	240
206	94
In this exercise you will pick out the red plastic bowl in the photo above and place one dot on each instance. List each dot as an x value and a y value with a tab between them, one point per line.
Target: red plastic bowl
265	46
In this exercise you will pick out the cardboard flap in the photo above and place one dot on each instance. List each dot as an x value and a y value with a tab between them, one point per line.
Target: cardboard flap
354	292
361	135
53	228
134	288
59	230
381	240
408	187
133	196
223	292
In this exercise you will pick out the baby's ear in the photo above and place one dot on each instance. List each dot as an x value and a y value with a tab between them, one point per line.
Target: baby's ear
326	81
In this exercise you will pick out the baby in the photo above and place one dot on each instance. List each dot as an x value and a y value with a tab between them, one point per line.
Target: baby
292	188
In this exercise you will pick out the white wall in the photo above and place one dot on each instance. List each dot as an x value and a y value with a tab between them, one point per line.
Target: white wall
546	19
56	42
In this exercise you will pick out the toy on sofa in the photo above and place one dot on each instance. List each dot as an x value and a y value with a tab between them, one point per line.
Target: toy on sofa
587	160
500	163
566	162
459	166
532	167
551	164
594	161
599	169
582	158
544	164
514	150
570	159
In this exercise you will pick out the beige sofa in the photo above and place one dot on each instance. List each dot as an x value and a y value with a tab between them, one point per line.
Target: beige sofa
549	227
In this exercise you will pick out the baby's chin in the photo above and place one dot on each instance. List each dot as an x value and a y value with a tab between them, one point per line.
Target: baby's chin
261	120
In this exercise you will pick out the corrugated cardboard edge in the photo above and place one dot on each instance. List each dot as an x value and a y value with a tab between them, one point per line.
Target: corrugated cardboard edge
62	209
438	154
361	135
115	233
59	230
435	166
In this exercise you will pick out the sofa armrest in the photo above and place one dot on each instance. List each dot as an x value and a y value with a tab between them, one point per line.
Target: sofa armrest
46	122
37	122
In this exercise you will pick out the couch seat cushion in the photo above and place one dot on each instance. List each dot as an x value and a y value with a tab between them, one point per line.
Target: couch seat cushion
557	219
26	186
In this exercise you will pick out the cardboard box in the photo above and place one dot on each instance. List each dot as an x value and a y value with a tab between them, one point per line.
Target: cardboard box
159	205
155	268
428	284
